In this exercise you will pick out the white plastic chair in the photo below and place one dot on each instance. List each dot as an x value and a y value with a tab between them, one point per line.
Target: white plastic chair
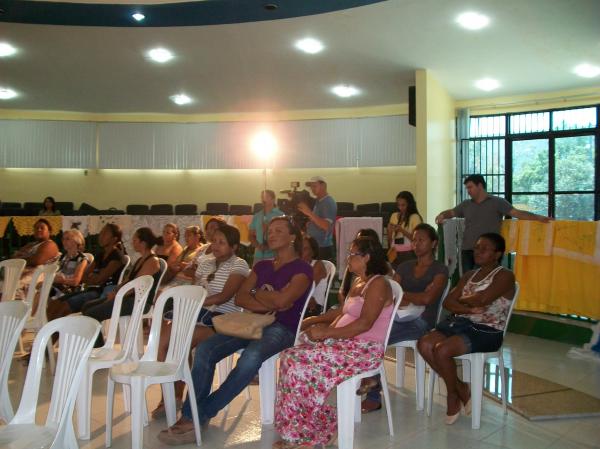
12	319
110	355
187	302
37	321
76	336
124	320
401	347
13	268
348	402
330	268
126	262
474	375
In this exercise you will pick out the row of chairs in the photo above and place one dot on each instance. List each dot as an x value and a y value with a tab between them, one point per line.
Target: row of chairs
109	355
345	209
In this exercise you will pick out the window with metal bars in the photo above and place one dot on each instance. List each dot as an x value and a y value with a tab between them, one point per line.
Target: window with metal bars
546	162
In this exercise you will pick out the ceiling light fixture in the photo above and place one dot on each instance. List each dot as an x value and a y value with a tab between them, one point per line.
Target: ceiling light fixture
138	16
6	49
487	84
180	99
587	70
160	55
472	20
345	90
6	93
309	45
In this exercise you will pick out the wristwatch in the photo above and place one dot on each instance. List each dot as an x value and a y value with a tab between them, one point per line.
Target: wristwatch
253	292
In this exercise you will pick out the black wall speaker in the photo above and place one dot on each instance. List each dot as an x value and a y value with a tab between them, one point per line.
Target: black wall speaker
412	106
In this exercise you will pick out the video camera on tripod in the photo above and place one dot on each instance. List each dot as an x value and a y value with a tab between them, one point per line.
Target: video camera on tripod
290	204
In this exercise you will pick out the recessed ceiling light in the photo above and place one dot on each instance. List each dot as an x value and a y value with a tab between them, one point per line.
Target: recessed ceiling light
472	20
587	70
487	84
345	90
138	16
160	55
180	99
6	49
309	45
6	93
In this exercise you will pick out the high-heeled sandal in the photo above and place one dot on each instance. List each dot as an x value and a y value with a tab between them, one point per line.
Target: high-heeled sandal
367	385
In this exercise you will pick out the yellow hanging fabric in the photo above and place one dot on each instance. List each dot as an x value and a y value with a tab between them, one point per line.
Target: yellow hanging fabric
24	225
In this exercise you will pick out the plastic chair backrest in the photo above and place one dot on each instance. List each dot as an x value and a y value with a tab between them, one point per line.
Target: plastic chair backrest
331	269
187	302
13	315
126	262
438	317
513	303
77	335
298	329
163	269
141	287
89	257
397	294
48	272
12	273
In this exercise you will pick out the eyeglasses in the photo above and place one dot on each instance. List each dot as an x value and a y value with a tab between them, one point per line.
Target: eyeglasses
350	254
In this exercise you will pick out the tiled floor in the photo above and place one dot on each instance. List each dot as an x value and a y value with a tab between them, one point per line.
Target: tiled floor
240	426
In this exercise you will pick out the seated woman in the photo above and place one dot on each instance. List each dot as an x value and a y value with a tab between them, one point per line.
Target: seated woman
168	247
222	274
72	265
100	277
352	344
41	251
310	254
423	282
480	303
101	309
279	285
175	275
49	207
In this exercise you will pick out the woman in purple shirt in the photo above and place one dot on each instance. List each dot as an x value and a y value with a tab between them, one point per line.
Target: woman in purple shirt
280	285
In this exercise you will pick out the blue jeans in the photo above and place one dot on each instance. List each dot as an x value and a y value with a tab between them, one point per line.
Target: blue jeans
406	330
76	302
276	338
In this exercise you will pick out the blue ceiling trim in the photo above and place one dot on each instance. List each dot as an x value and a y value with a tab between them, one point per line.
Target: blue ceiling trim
208	12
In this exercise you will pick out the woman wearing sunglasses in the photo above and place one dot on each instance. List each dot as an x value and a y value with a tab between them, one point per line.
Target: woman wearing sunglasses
221	273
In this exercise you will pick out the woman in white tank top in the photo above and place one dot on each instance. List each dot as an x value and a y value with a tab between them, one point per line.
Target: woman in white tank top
480	303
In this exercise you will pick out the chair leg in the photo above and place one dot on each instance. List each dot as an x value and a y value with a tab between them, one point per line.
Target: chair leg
400	354
137	414
110	400
127	398
503	386
346	397
266	375
430	388
6	410
84	397
477	360
168	391
386	398
187	378
420	379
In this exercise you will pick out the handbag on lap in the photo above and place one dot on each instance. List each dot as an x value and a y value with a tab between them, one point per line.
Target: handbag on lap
246	325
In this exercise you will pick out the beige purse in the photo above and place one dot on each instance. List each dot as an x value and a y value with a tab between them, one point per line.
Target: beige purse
246	325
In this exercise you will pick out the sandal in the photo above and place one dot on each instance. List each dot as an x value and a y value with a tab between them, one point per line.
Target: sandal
160	411
172	438
368	384
369	405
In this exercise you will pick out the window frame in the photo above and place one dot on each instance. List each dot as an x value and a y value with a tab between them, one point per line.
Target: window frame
551	135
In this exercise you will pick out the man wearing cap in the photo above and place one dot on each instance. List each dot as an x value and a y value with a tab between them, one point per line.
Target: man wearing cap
321	217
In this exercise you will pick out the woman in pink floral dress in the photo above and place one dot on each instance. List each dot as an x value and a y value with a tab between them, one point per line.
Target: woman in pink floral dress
332	353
